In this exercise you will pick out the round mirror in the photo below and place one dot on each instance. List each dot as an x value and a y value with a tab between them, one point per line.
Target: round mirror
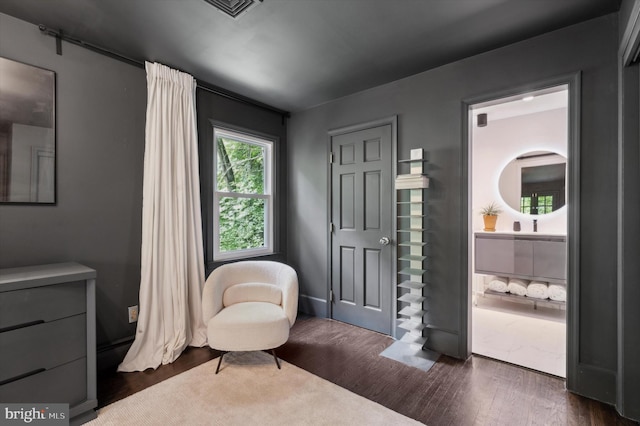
535	182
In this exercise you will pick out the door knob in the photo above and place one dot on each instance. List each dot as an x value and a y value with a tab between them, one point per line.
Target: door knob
384	241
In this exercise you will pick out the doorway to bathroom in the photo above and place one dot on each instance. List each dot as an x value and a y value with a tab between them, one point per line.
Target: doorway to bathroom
518	172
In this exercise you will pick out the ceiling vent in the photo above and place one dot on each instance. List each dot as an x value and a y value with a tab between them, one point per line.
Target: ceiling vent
233	8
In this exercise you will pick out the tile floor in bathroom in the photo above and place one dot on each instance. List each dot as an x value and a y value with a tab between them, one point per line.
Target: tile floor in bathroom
518	334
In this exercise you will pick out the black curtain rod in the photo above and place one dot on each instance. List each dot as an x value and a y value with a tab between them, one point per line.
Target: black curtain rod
60	35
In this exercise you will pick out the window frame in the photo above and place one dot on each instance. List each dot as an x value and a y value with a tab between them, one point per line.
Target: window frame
269	193
534	207
523	205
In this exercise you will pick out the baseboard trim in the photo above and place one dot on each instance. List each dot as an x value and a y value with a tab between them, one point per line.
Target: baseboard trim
443	341
109	356
599	383
312	306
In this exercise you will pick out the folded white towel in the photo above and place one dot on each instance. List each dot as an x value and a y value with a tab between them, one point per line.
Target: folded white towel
518	286
558	292
538	290
498	284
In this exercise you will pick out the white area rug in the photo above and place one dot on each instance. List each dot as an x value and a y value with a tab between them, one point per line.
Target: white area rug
248	390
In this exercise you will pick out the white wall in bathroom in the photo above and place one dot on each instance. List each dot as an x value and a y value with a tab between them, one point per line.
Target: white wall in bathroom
495	145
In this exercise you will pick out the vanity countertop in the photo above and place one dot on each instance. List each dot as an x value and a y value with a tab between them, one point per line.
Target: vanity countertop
527	233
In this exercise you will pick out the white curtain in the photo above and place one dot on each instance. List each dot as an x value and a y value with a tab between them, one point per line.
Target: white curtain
172	273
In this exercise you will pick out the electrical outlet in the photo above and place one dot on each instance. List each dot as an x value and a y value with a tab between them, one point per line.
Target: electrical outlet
133	313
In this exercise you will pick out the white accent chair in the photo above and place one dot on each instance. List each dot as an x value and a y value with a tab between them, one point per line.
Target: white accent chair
250	306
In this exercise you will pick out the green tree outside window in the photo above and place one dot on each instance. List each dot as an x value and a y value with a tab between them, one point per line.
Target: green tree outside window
242	193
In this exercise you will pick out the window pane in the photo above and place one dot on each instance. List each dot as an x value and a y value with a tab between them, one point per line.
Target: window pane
240	166
242	223
545	204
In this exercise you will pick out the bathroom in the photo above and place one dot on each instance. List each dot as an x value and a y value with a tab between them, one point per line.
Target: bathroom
519	163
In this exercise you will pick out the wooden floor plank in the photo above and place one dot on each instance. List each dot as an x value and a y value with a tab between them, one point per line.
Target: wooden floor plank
477	391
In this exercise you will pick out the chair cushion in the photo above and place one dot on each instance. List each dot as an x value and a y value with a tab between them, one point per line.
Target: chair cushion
252	292
248	326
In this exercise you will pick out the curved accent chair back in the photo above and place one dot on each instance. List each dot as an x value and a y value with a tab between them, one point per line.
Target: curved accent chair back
250	306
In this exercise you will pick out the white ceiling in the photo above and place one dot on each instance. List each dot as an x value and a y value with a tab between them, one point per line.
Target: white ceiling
514	107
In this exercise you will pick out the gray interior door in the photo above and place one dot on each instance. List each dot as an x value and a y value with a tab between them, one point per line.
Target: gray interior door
361	265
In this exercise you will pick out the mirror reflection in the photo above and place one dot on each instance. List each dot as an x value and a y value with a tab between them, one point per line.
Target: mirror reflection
27	133
534	183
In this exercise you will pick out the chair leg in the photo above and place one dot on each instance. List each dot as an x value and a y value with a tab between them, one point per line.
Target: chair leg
273	351
220	362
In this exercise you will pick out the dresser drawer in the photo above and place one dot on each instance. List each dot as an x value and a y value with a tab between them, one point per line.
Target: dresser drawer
64	384
45	303
45	345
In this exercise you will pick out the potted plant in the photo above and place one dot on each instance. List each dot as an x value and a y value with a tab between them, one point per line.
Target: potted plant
490	214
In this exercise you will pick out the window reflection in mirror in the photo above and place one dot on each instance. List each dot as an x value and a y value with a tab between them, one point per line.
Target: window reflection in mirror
535	183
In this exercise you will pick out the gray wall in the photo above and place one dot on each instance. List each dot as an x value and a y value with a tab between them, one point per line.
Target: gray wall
258	121
628	397
429	107
100	146
101	105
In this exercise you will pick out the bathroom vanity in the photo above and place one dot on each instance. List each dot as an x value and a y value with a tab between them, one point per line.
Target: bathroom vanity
531	256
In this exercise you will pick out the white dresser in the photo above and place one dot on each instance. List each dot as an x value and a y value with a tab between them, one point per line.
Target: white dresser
48	338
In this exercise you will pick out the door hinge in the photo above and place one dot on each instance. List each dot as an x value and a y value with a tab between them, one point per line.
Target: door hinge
331	158
331	296
330	227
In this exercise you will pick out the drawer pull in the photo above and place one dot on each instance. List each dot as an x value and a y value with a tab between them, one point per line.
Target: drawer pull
23	325
22	376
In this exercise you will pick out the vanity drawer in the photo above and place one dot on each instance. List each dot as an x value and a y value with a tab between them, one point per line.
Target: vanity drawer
64	384
45	303
45	345
495	255
550	259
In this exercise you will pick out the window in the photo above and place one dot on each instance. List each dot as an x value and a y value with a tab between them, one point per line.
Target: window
545	204
536	204
525	205
243	195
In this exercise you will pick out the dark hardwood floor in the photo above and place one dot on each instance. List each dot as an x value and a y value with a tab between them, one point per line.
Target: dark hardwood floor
478	391
113	386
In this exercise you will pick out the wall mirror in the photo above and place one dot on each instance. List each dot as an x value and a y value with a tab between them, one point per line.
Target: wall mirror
27	134
534	183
